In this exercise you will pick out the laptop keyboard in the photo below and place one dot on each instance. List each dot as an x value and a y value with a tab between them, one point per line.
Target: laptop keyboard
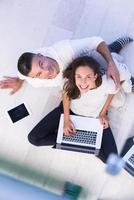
131	159
86	137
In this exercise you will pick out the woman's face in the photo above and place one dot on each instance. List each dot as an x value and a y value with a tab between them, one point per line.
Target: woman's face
85	78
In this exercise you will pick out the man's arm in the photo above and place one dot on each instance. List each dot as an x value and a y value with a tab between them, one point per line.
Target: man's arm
13	83
85	45
112	70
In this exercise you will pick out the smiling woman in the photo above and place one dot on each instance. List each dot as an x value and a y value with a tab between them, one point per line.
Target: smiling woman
85	79
83	74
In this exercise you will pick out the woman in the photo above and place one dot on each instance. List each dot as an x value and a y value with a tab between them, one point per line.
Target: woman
88	93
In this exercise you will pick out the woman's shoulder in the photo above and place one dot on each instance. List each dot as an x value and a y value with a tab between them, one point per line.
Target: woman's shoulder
107	80
108	84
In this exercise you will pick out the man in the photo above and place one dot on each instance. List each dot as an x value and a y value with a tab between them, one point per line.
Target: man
44	67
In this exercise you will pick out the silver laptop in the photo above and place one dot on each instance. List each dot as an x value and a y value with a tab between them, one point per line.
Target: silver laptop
87	138
129	160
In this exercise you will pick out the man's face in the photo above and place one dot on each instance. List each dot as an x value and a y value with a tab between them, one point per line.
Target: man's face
43	68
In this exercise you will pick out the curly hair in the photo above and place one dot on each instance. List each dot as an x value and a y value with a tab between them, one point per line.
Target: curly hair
70	87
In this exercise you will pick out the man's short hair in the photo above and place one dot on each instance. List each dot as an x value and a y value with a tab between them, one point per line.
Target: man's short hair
24	63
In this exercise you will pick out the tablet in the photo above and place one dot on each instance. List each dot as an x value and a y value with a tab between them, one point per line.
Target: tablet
17	113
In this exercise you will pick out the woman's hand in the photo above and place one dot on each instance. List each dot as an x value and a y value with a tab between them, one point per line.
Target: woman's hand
113	72
69	128
104	120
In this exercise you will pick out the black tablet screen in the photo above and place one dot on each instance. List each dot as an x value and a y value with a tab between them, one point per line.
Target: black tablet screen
17	113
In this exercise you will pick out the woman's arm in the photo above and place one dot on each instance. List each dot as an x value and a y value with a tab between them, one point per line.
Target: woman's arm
102	116
107	103
69	128
66	107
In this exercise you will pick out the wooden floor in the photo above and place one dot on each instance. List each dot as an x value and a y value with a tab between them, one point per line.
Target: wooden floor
28	25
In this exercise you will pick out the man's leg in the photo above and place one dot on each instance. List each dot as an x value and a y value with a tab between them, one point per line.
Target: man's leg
116	47
108	145
118	44
45	132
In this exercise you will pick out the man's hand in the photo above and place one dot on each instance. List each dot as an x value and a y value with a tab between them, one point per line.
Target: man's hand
113	72
13	83
104	120
69	128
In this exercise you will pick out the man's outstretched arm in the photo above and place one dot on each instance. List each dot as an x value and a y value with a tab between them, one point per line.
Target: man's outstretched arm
112	70
85	45
13	83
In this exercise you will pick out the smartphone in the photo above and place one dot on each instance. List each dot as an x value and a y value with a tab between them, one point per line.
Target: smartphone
17	113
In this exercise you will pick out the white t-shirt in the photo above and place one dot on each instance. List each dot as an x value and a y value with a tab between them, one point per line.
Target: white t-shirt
64	52
90	103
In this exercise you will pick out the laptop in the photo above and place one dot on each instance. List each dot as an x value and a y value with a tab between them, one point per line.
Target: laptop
88	136
129	160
